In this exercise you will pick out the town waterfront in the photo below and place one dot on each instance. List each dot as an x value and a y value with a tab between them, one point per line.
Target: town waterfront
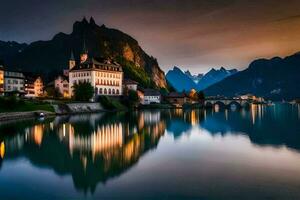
155	154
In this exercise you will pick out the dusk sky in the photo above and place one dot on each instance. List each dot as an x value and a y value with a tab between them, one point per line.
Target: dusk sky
195	35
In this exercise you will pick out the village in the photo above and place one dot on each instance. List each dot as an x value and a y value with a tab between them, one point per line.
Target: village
106	78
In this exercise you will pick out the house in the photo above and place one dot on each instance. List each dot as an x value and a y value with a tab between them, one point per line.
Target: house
151	96
130	85
61	83
105	76
252	98
34	86
177	99
14	81
1	80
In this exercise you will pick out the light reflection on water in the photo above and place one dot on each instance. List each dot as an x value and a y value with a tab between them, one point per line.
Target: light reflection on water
210	154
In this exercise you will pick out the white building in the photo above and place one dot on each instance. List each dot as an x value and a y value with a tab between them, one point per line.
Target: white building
130	84
106	77
62	84
151	96
14	82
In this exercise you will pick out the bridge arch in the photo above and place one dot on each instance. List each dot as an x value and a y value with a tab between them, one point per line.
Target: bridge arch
221	104
208	104
234	105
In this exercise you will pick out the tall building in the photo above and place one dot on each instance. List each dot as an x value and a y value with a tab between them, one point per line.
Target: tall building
1	80
105	76
34	86
14	82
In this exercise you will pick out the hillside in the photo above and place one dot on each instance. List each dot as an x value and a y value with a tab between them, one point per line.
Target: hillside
275	79
52	56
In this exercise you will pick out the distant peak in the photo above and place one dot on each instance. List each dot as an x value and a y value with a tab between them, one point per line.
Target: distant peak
223	69
84	20
175	68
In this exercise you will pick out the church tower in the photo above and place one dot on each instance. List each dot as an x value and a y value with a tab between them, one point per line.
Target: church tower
72	62
84	54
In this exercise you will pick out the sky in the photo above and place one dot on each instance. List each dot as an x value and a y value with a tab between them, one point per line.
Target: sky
192	34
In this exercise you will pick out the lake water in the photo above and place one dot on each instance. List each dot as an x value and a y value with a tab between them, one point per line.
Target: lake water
168	154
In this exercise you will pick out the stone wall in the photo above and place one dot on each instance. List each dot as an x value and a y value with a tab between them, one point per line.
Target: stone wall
70	108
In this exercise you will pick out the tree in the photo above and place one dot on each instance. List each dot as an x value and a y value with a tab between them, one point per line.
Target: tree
83	91
53	92
133	97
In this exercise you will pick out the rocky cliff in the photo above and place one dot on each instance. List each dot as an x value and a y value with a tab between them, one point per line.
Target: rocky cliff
52	56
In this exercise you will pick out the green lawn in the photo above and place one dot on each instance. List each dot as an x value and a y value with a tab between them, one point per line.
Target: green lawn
26	106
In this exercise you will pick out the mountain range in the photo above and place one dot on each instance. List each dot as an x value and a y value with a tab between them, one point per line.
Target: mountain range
186	81
275	79
48	57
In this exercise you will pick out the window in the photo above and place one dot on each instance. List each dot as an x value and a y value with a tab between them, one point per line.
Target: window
118	91
113	91
105	91
109	91
100	91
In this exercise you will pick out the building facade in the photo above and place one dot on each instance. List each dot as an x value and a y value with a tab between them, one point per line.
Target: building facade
34	87
61	83
130	84
105	76
1	80
151	96
14	82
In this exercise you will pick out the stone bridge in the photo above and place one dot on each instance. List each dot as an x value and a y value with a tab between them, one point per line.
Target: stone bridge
228	103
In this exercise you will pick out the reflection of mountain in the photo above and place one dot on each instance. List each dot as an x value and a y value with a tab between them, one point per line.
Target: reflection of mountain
181	122
263	125
107	151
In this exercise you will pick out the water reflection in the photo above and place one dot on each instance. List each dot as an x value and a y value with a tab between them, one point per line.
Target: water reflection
95	148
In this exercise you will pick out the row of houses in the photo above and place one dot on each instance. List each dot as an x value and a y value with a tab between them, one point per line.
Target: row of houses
106	77
25	84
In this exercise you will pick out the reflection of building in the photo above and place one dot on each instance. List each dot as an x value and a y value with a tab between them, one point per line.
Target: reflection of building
2	150
151	96
33	86
35	133
104	138
105	76
14	82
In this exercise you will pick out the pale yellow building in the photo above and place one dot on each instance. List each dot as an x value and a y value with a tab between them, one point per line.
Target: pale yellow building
105	76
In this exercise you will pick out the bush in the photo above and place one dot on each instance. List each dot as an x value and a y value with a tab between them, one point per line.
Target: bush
110	104
83	91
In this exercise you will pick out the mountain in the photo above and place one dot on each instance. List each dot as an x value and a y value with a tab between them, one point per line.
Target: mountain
53	55
186	81
195	78
179	80
214	76
276	79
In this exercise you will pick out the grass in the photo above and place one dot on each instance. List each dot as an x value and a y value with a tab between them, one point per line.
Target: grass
7	105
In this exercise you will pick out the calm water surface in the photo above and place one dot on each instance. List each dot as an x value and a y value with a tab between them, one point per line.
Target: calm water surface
170	154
